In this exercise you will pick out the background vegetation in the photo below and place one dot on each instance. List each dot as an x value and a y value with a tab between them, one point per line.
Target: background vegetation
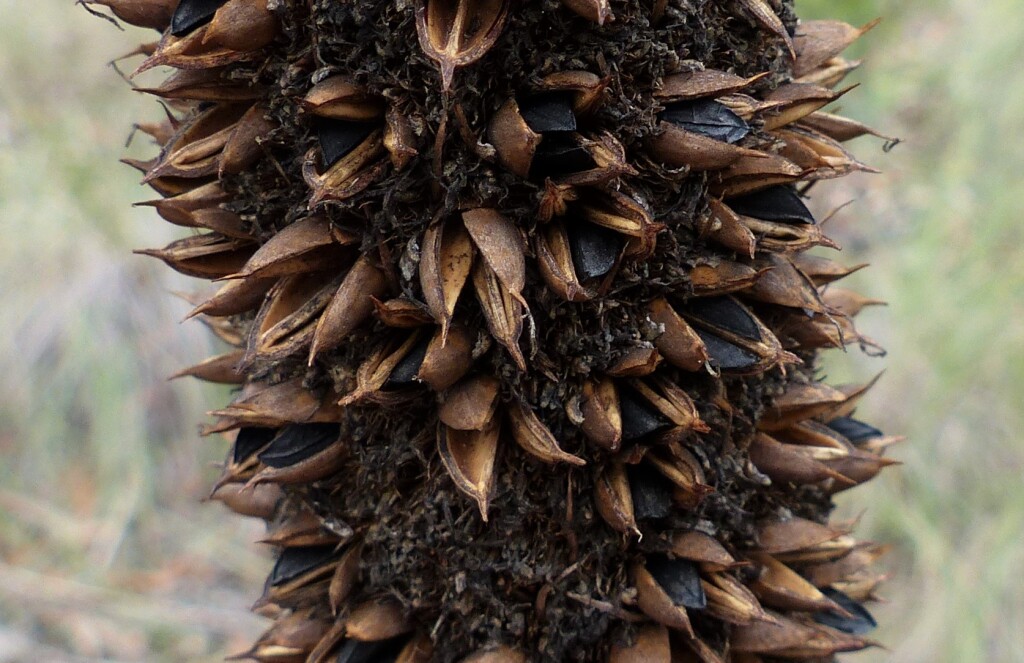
106	552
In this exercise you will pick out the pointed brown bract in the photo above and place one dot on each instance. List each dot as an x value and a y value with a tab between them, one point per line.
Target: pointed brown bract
762	12
602	414
469	456
349	306
445	265
614	499
155	14
242	25
524	358
535	438
597	11
651	645
657	604
680	344
458	33
817	42
703	548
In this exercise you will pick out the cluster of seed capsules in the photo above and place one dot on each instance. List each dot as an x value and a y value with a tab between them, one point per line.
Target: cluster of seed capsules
302	290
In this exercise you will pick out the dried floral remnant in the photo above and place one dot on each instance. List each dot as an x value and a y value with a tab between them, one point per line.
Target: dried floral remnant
522	321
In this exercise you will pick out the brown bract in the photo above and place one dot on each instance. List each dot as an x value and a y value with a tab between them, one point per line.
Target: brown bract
456	33
598	11
154	14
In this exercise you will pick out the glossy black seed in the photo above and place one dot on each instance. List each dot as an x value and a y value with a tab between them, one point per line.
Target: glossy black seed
651	492
339	137
726	356
776	203
549	111
297	561
680	579
854	430
191	14
407	368
297	442
639	418
708	118
594	249
382	651
559	154
726	313
250	440
860	621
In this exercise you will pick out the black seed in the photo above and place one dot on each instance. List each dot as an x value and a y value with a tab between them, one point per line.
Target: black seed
776	203
854	430
651	492
639	418
680	579
724	355
594	249
708	118
297	442
249	441
382	651
339	137
559	154
549	111
859	623
726	313
294	562
190	14
407	368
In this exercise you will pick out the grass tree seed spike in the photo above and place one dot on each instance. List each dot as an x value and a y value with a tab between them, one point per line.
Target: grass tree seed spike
524	323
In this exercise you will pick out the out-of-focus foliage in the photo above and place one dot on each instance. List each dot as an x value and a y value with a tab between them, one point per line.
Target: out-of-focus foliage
942	230
106	552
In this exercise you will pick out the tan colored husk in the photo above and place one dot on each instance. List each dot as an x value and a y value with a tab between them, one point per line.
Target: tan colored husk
766	17
345	577
817	42
350	305
377	620
502	310
635	363
703	548
499	654
702	83
656	604
473	28
614	500
445	265
730	601
221	369
679	343
535	438
338	98
471	404
722	277
349	175
602	417
680	148
781	587
242	25
469	456
650	645
445	363
598	11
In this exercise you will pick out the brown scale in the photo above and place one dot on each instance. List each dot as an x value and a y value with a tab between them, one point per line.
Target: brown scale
416	258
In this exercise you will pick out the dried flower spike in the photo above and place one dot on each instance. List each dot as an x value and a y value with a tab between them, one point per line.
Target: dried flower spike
522	323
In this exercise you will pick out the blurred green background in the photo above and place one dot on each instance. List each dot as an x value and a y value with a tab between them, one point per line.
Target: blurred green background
106	551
